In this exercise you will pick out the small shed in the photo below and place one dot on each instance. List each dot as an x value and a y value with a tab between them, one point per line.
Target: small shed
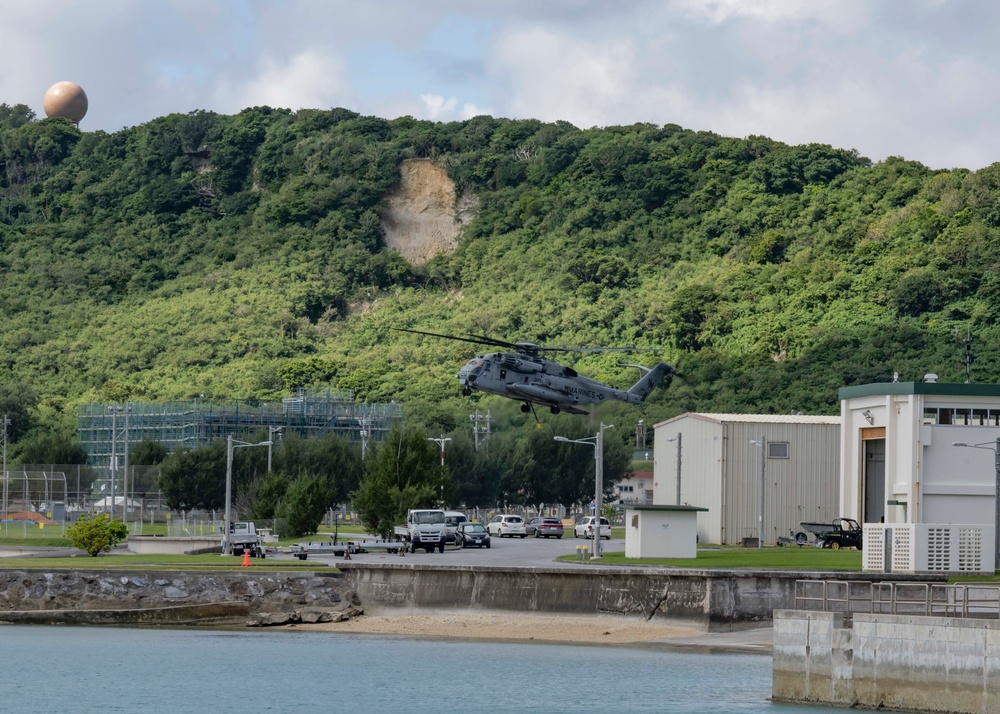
661	531
718	460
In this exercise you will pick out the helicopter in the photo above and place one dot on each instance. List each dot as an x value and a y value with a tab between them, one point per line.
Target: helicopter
525	376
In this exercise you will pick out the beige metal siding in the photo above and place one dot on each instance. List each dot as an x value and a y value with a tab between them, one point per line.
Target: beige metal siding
803	487
701	464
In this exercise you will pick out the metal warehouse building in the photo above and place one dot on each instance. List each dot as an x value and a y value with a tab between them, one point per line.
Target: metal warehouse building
719	460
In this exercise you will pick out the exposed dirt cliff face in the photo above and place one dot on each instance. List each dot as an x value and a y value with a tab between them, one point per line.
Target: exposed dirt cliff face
424	218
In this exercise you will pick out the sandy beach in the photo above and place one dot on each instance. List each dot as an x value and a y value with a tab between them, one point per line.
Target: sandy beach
521	628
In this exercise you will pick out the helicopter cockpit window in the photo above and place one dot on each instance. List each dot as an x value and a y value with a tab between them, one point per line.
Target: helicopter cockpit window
477	367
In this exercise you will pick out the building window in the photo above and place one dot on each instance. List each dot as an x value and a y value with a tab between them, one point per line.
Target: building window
962	416
777	449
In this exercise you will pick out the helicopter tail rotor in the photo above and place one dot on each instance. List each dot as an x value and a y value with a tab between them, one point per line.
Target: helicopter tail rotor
649	381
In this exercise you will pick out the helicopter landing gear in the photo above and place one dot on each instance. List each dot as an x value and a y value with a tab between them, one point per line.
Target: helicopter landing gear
554	410
526	407
466	392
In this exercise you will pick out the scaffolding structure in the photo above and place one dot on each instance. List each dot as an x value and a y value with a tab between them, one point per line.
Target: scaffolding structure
107	430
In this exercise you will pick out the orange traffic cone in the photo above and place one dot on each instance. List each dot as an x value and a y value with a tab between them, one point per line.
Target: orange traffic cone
246	558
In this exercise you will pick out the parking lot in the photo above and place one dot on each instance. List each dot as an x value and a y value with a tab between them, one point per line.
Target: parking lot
505	552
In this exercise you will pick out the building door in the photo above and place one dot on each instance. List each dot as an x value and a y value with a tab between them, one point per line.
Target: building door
874	480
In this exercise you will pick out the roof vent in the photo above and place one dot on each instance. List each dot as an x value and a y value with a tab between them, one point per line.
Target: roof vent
930	378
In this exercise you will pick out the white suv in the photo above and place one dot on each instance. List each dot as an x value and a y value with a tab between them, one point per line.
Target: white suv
585	528
507	525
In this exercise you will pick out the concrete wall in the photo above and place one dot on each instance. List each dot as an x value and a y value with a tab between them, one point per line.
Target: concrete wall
713	600
929	664
131	591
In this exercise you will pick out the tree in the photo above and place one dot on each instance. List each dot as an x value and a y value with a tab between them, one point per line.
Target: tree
15	115
48	448
17	402
403	474
304	504
195	478
95	533
147	452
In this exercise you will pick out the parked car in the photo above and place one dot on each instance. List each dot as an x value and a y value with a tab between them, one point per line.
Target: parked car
471	535
544	527
507	525
585	528
452	520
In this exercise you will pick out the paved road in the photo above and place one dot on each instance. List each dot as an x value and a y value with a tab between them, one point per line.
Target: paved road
504	552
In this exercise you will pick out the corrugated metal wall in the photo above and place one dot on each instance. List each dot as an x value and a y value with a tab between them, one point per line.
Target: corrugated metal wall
803	487
701	466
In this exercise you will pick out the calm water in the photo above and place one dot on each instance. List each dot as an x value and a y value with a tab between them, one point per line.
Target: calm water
75	669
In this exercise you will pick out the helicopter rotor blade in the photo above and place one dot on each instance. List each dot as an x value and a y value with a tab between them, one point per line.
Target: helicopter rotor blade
525	347
472	338
598	349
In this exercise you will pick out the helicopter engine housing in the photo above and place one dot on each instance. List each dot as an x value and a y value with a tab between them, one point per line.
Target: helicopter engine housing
522	366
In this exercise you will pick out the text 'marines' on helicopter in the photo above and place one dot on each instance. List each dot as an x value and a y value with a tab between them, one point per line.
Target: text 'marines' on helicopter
527	377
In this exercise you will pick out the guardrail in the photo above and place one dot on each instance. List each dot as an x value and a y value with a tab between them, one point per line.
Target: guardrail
894	598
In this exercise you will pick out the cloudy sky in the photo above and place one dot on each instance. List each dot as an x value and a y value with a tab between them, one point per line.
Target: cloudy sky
913	78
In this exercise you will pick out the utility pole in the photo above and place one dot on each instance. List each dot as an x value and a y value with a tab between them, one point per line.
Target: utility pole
366	425
478	430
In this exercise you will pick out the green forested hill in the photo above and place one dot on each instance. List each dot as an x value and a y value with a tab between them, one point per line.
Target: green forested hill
242	256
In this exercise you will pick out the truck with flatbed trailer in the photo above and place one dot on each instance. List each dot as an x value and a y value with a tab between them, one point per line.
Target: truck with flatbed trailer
425	528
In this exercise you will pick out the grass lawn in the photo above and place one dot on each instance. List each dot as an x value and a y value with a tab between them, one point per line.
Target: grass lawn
756	558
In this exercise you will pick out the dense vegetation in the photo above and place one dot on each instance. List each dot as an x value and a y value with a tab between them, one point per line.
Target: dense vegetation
242	256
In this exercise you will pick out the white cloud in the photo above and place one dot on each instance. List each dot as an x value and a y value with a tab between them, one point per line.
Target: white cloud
836	13
550	76
437	108
311	79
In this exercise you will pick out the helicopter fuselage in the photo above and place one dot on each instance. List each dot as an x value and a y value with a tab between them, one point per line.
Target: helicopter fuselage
534	380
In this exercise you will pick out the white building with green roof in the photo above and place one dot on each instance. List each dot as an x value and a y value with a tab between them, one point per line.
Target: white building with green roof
901	468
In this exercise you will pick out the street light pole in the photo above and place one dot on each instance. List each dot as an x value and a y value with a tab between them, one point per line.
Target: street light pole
441	443
598	444
114	409
762	443
271	431
6	423
678	440
232	444
996	494
125	479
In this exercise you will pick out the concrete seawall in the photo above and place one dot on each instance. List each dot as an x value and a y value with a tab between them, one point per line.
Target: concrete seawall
127	597
713	600
903	662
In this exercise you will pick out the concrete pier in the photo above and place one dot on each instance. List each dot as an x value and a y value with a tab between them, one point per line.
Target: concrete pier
900	662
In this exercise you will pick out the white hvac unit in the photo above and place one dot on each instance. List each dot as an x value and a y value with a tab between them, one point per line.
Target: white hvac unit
928	548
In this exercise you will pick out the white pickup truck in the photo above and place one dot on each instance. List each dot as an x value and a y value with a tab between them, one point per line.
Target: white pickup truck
425	528
243	536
